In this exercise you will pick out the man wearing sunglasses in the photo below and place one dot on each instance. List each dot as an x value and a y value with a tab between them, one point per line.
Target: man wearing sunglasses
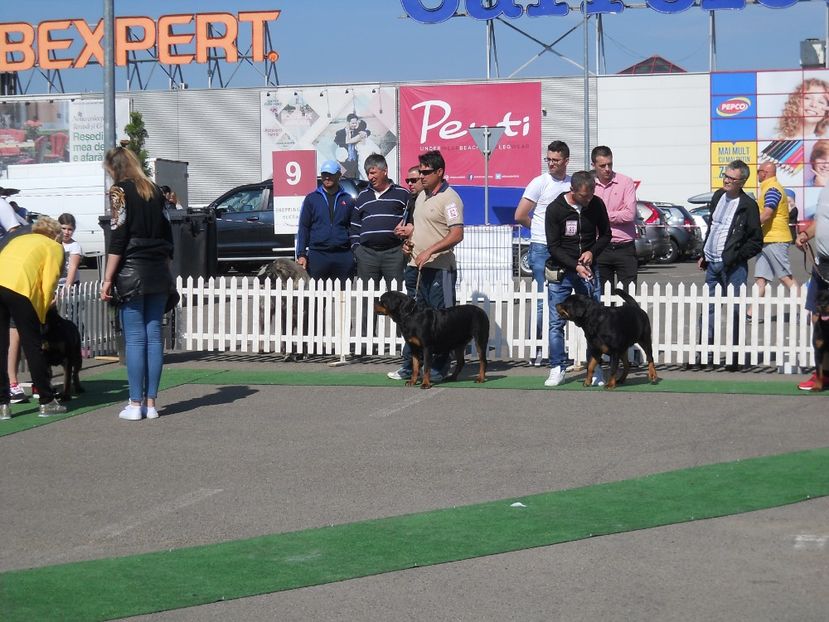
432	272
734	237
530	212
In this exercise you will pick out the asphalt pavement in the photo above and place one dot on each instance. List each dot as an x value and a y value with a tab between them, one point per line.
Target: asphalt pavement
235	461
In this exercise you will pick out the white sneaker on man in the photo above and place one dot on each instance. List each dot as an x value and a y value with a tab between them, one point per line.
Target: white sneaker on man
555	378
598	377
400	374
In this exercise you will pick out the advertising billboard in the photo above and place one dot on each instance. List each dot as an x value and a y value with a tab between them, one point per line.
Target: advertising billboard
439	117
774	116
346	124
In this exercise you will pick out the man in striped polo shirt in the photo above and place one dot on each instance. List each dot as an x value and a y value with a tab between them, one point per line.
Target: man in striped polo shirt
377	211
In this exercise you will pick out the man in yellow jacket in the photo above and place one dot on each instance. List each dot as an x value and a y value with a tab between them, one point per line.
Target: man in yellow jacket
773	261
30	265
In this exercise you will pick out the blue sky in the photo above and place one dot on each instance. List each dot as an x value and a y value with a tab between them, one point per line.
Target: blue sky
341	41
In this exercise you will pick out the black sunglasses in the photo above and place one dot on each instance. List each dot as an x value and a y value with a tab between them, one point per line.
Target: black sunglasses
412	180
426	171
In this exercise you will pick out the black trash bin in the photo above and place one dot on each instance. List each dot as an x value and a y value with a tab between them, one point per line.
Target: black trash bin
194	243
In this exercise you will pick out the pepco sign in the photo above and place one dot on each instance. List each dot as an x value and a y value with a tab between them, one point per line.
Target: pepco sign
733	106
24	46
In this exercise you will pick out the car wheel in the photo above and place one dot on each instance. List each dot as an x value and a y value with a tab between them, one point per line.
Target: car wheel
670	255
524	263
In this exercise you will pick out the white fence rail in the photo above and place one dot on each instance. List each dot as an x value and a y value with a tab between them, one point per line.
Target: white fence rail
240	314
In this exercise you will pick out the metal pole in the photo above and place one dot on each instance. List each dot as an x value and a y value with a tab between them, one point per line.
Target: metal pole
486	174
712	35
109	74
586	65
488	50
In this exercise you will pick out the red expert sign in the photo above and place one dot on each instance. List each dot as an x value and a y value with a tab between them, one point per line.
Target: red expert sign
294	176
439	117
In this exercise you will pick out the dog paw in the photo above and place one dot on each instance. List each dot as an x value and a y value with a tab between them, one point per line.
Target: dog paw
426	385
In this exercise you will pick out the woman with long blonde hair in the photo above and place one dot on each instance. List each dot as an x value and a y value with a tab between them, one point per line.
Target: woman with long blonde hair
138	277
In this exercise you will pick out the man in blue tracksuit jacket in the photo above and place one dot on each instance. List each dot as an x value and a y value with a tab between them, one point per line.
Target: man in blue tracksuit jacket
322	245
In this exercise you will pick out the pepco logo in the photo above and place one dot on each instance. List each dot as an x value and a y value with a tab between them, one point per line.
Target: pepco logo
734	106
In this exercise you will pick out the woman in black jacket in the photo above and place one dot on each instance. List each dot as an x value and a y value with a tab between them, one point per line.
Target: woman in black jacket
138	265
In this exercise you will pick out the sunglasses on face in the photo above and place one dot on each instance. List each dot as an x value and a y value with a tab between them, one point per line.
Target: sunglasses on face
412	180
426	171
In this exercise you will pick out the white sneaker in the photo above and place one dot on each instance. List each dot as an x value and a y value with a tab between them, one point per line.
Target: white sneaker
131	413
151	412
555	378
598	377
400	374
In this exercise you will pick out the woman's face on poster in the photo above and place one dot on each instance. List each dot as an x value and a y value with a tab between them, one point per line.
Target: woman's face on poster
815	103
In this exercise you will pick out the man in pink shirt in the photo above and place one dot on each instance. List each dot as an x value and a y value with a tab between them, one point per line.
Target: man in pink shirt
618	262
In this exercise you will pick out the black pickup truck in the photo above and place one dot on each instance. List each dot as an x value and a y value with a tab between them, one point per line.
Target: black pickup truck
245	227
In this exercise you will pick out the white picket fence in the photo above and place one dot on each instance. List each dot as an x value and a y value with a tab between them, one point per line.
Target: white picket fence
241	314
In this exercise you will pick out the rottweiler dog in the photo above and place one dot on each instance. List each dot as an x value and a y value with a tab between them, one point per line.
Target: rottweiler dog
611	330
820	337
430	332
61	345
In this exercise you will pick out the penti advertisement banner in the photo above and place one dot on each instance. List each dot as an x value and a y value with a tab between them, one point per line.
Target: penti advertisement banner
439	117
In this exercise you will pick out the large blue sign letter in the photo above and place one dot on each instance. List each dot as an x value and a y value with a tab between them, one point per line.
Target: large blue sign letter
439	14
477	9
670	6
547	7
595	7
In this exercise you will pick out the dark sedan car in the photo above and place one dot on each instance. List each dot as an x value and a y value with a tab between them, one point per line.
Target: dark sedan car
245	226
686	238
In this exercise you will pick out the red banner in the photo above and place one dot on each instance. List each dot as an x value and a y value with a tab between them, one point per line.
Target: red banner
438	117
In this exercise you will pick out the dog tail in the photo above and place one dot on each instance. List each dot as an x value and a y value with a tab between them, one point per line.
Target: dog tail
625	296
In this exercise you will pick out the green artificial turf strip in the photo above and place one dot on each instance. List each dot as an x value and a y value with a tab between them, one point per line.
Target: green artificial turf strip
747	386
100	391
138	584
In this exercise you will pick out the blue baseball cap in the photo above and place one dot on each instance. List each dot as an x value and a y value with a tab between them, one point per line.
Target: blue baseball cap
332	167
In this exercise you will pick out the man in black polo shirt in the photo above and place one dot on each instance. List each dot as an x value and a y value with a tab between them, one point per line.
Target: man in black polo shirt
377	211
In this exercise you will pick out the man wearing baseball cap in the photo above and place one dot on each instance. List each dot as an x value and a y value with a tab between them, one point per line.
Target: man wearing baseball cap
322	244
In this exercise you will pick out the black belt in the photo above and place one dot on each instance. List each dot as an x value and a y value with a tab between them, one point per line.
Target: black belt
617	245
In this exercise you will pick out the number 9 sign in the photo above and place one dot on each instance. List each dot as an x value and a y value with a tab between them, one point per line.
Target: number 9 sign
294	173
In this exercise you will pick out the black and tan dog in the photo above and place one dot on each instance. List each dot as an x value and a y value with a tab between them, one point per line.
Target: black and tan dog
611	331
61	345
820	338
430	332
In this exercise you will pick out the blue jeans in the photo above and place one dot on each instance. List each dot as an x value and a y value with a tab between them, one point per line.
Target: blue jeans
558	292
537	258
141	323
436	290
715	274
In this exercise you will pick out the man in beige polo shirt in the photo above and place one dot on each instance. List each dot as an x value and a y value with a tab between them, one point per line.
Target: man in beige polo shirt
431	273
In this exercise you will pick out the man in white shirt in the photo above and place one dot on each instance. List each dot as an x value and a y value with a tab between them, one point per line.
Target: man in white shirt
531	211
